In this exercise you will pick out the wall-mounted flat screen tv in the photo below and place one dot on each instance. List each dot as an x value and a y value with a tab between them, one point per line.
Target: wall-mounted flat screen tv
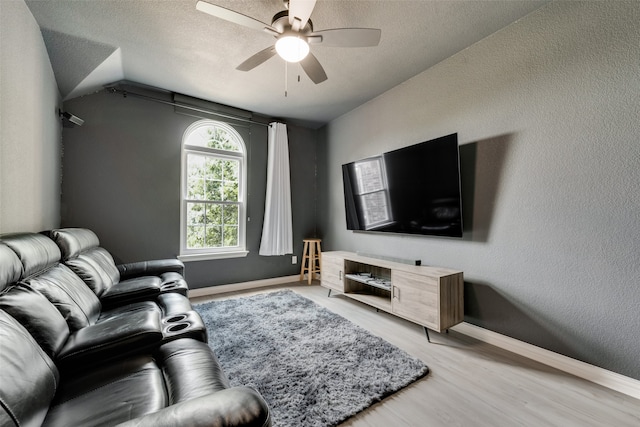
412	190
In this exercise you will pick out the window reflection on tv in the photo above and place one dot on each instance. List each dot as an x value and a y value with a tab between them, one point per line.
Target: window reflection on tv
412	190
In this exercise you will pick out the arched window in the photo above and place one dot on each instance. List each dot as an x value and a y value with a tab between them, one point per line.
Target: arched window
213	214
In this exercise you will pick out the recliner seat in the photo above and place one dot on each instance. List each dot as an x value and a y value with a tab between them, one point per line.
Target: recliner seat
141	390
116	284
63	314
38	253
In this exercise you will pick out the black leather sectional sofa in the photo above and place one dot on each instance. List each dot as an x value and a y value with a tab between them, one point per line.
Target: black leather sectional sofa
84	342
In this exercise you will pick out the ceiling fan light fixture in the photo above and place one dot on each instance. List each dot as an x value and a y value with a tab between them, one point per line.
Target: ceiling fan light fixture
292	48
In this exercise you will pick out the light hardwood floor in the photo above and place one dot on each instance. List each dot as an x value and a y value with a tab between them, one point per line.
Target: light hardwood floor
471	383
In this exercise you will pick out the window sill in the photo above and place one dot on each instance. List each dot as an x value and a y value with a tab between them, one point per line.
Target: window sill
212	255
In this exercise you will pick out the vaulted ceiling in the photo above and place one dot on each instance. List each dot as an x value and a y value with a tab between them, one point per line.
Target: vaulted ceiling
172	46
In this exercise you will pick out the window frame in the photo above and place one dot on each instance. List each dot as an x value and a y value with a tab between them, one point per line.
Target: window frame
198	254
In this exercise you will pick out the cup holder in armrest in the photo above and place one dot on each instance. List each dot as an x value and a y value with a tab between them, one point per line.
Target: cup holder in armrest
170	285
176	318
188	324
177	327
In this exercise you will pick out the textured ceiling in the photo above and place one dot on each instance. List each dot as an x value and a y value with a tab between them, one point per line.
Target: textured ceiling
172	46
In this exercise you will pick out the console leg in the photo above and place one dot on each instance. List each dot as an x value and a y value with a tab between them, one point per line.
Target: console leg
329	293
426	331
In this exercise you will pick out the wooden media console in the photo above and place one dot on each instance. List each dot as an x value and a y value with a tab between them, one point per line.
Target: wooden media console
429	296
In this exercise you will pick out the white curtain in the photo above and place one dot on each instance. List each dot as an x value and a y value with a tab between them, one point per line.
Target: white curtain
277	229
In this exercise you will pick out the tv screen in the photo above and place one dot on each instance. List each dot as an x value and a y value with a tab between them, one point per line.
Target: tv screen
412	190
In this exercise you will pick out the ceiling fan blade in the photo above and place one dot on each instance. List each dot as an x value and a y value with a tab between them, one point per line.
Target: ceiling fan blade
233	16
314	70
257	59
299	13
347	37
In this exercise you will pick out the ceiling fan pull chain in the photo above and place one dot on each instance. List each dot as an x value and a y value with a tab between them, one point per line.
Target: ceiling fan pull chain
286	67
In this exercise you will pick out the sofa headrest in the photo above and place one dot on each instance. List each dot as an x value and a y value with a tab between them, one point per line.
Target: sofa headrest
36	251
10	266
74	241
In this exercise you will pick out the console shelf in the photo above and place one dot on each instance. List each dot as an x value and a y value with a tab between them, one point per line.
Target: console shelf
429	296
370	281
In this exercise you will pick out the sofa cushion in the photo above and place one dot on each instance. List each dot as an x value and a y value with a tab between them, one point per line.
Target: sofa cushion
72	297
103	258
90	273
109	394
76	242
28	377
36	251
38	315
95	269
10	266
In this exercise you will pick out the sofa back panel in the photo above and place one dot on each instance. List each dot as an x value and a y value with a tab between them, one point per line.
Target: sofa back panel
73	241
103	258
82	253
69	294
110	395
10	266
28	377
36	251
91	273
38	316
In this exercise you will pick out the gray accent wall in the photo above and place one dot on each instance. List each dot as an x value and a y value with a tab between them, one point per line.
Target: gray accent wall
547	112
122	179
29	125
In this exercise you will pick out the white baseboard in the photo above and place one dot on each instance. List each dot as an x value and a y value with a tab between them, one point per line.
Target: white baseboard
609	379
235	287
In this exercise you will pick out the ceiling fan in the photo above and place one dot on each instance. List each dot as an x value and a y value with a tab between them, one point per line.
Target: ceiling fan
294	33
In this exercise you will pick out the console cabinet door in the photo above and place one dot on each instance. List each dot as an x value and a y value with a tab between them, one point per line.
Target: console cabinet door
415	297
332	272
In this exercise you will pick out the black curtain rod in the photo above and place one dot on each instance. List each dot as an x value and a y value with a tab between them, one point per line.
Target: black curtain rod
188	107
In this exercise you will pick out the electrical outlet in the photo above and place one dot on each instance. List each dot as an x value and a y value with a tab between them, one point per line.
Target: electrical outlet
294	259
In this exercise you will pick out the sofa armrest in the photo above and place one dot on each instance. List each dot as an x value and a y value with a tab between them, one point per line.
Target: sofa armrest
150	268
115	337
233	407
132	290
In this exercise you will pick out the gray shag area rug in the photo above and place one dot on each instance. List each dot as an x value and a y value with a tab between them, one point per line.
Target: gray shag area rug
312	366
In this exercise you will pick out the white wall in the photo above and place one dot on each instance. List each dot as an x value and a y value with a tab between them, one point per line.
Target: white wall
29	126
548	112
